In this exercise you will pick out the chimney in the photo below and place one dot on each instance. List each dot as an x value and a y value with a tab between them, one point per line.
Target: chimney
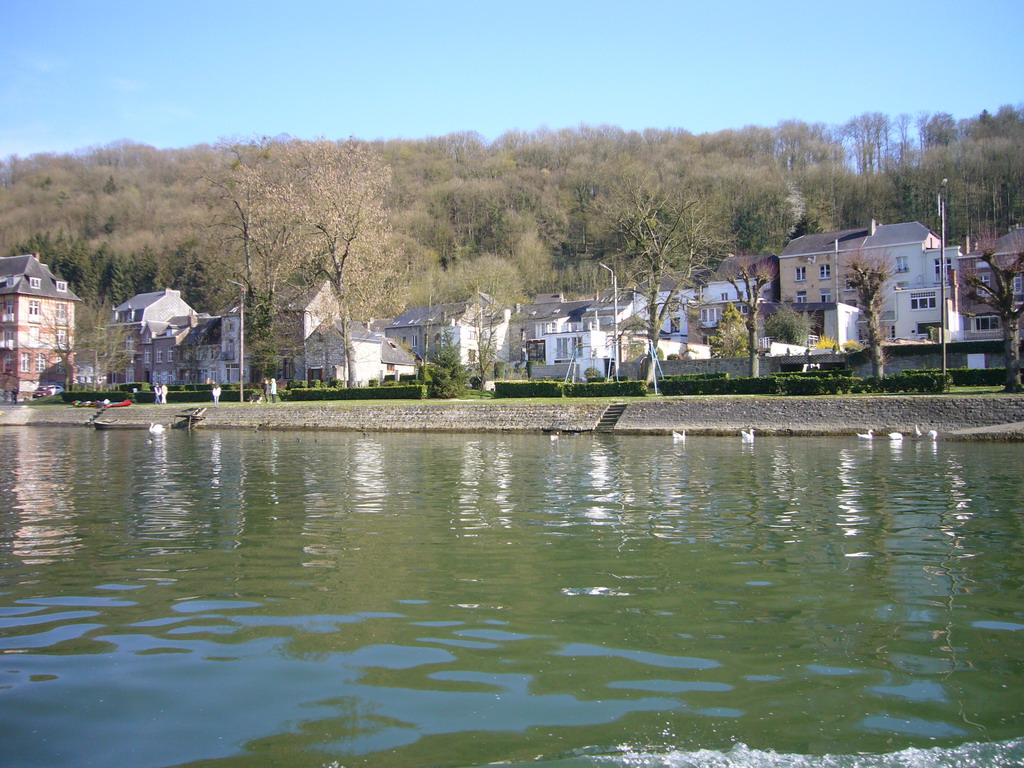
874	226
36	255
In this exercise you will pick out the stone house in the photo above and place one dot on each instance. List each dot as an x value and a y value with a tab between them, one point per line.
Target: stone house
473	326
814	269
37	326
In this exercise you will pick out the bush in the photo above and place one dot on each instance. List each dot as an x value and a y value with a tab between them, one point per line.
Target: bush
915	382
606	389
408	392
973	377
592	374
528	389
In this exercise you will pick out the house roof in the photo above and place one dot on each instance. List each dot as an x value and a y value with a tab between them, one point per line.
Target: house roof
545	311
436	314
15	272
143	300
1011	242
862	237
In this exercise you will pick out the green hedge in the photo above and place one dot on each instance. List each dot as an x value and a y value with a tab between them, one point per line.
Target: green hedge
972	377
528	389
914	382
606	389
418	392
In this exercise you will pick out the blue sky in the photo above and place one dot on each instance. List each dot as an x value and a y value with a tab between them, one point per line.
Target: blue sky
75	74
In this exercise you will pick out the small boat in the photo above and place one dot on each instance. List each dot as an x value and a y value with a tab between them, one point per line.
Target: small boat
118	425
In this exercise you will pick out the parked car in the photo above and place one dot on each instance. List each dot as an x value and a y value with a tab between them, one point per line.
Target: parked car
45	390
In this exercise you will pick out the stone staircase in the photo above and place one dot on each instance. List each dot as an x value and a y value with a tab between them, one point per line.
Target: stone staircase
610	417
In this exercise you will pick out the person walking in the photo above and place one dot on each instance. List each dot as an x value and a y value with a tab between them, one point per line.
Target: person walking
215	392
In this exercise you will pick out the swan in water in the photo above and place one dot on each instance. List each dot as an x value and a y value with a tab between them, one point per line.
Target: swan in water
679	437
747	437
933	434
896	436
156	429
869	436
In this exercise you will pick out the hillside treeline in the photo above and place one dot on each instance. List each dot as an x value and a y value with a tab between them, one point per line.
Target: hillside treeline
127	218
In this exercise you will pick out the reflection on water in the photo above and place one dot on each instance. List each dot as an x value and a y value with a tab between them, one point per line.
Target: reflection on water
427	600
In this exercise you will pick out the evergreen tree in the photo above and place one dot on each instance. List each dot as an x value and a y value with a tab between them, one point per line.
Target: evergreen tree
730	340
448	374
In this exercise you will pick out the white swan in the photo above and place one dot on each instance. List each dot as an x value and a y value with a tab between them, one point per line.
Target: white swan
918	434
933	434
156	429
679	437
554	437
896	436
869	436
747	437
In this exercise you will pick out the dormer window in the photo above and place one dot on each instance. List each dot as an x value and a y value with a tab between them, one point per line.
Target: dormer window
62	286
35	282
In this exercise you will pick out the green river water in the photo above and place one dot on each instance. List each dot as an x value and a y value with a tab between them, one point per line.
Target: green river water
238	598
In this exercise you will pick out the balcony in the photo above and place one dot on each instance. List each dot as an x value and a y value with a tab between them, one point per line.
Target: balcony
7	317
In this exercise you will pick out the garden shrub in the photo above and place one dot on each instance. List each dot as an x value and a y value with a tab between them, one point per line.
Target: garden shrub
606	389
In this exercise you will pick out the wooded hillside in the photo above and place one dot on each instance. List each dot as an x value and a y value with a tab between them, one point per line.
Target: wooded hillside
129	218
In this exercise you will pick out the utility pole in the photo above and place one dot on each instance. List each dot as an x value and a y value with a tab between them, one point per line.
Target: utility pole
942	274
241	340
615	317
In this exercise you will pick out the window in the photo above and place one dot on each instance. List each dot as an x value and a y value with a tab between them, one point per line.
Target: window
673	325
901	264
801	297
26	362
40	363
62	286
34	310
826	296
170	355
709	316
724	296
146	357
35	282
159	355
1018	284
825	271
8	364
938	268
922	300
9	339
801	274
61	314
62	338
988	323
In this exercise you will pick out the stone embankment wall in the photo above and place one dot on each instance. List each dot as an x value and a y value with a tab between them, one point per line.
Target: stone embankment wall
955	417
827	415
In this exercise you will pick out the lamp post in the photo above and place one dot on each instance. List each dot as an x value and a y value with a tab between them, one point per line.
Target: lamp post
942	275
241	340
615	317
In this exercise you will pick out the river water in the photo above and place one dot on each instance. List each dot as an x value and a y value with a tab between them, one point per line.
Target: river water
228	599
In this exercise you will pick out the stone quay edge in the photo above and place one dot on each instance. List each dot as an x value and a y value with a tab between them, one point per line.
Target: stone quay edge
955	417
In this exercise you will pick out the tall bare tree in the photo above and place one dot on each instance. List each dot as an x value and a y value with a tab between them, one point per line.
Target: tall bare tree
1000	293
750	275
868	274
262	236
664	236
339	195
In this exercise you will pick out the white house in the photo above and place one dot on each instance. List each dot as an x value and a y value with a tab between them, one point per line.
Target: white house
473	326
814	267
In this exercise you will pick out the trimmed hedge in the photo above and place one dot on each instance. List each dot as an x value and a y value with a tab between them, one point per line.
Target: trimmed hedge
972	377
571	389
606	389
418	392
528	389
919	382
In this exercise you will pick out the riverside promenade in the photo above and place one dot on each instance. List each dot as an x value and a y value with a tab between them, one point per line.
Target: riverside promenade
955	417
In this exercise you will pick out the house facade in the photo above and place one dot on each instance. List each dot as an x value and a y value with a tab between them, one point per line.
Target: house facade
476	326
980	322
37	326
815	269
143	317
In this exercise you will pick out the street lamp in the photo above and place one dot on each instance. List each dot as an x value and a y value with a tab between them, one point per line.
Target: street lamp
241	340
615	317
942	275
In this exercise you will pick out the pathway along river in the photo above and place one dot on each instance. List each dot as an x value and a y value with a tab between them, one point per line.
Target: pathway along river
229	599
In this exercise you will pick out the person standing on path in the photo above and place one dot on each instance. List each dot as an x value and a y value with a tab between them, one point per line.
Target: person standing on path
273	390
216	395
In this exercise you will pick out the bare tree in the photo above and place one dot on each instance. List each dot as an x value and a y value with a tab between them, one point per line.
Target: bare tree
1000	293
750	275
339	195
262	234
108	346
868	273
664	236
